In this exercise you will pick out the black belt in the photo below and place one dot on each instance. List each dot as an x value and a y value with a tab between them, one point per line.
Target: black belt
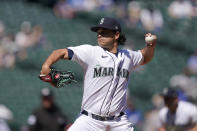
101	118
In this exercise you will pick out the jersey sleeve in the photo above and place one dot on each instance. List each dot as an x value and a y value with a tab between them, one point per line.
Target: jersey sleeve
82	54
137	57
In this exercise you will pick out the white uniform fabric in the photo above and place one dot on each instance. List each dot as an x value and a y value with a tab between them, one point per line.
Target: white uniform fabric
105	78
86	123
5	116
185	116
4	125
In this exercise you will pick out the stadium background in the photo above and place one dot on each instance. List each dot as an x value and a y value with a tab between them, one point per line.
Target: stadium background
20	86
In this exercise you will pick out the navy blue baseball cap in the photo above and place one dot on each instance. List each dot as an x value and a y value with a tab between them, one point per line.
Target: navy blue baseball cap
107	23
169	93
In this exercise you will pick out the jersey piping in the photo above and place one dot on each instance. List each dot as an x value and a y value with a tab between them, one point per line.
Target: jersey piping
110	83
115	86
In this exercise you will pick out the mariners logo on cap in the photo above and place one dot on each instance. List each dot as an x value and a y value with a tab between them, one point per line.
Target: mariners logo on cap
102	21
116	27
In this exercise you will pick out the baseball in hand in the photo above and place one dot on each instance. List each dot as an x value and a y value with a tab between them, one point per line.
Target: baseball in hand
150	39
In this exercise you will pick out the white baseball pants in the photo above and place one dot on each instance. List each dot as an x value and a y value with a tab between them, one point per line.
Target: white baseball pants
86	123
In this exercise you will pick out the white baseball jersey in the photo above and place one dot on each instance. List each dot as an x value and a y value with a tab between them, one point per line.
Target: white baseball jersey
185	116
105	77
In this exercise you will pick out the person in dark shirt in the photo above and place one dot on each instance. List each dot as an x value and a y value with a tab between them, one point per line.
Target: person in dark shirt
48	117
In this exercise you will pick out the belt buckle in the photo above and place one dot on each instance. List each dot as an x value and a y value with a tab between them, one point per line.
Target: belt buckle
90	114
101	118
108	118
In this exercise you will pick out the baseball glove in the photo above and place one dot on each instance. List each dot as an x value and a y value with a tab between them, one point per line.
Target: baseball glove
58	78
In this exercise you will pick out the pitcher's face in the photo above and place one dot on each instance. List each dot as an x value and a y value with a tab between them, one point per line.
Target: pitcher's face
106	37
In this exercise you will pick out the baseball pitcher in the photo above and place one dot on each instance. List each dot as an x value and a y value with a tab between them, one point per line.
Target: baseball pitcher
106	68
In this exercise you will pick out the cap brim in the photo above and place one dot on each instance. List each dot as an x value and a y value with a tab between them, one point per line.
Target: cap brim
95	28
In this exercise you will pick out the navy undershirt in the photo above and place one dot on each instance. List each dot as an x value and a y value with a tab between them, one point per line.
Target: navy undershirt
116	54
70	54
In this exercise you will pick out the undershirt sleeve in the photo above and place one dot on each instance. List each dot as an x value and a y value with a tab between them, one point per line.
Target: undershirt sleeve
70	54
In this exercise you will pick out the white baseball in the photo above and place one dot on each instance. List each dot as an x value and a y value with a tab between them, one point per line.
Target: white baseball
149	39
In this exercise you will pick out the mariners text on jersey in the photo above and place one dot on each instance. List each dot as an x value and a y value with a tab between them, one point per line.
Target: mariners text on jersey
109	71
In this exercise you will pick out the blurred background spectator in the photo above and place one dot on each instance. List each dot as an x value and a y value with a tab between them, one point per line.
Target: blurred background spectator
152	19
194	4
134	11
134	114
180	9
192	63
47	117
23	39
186	85
63	10
5	117
176	115
8	50
37	38
152	115
15	46
22	36
2	30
